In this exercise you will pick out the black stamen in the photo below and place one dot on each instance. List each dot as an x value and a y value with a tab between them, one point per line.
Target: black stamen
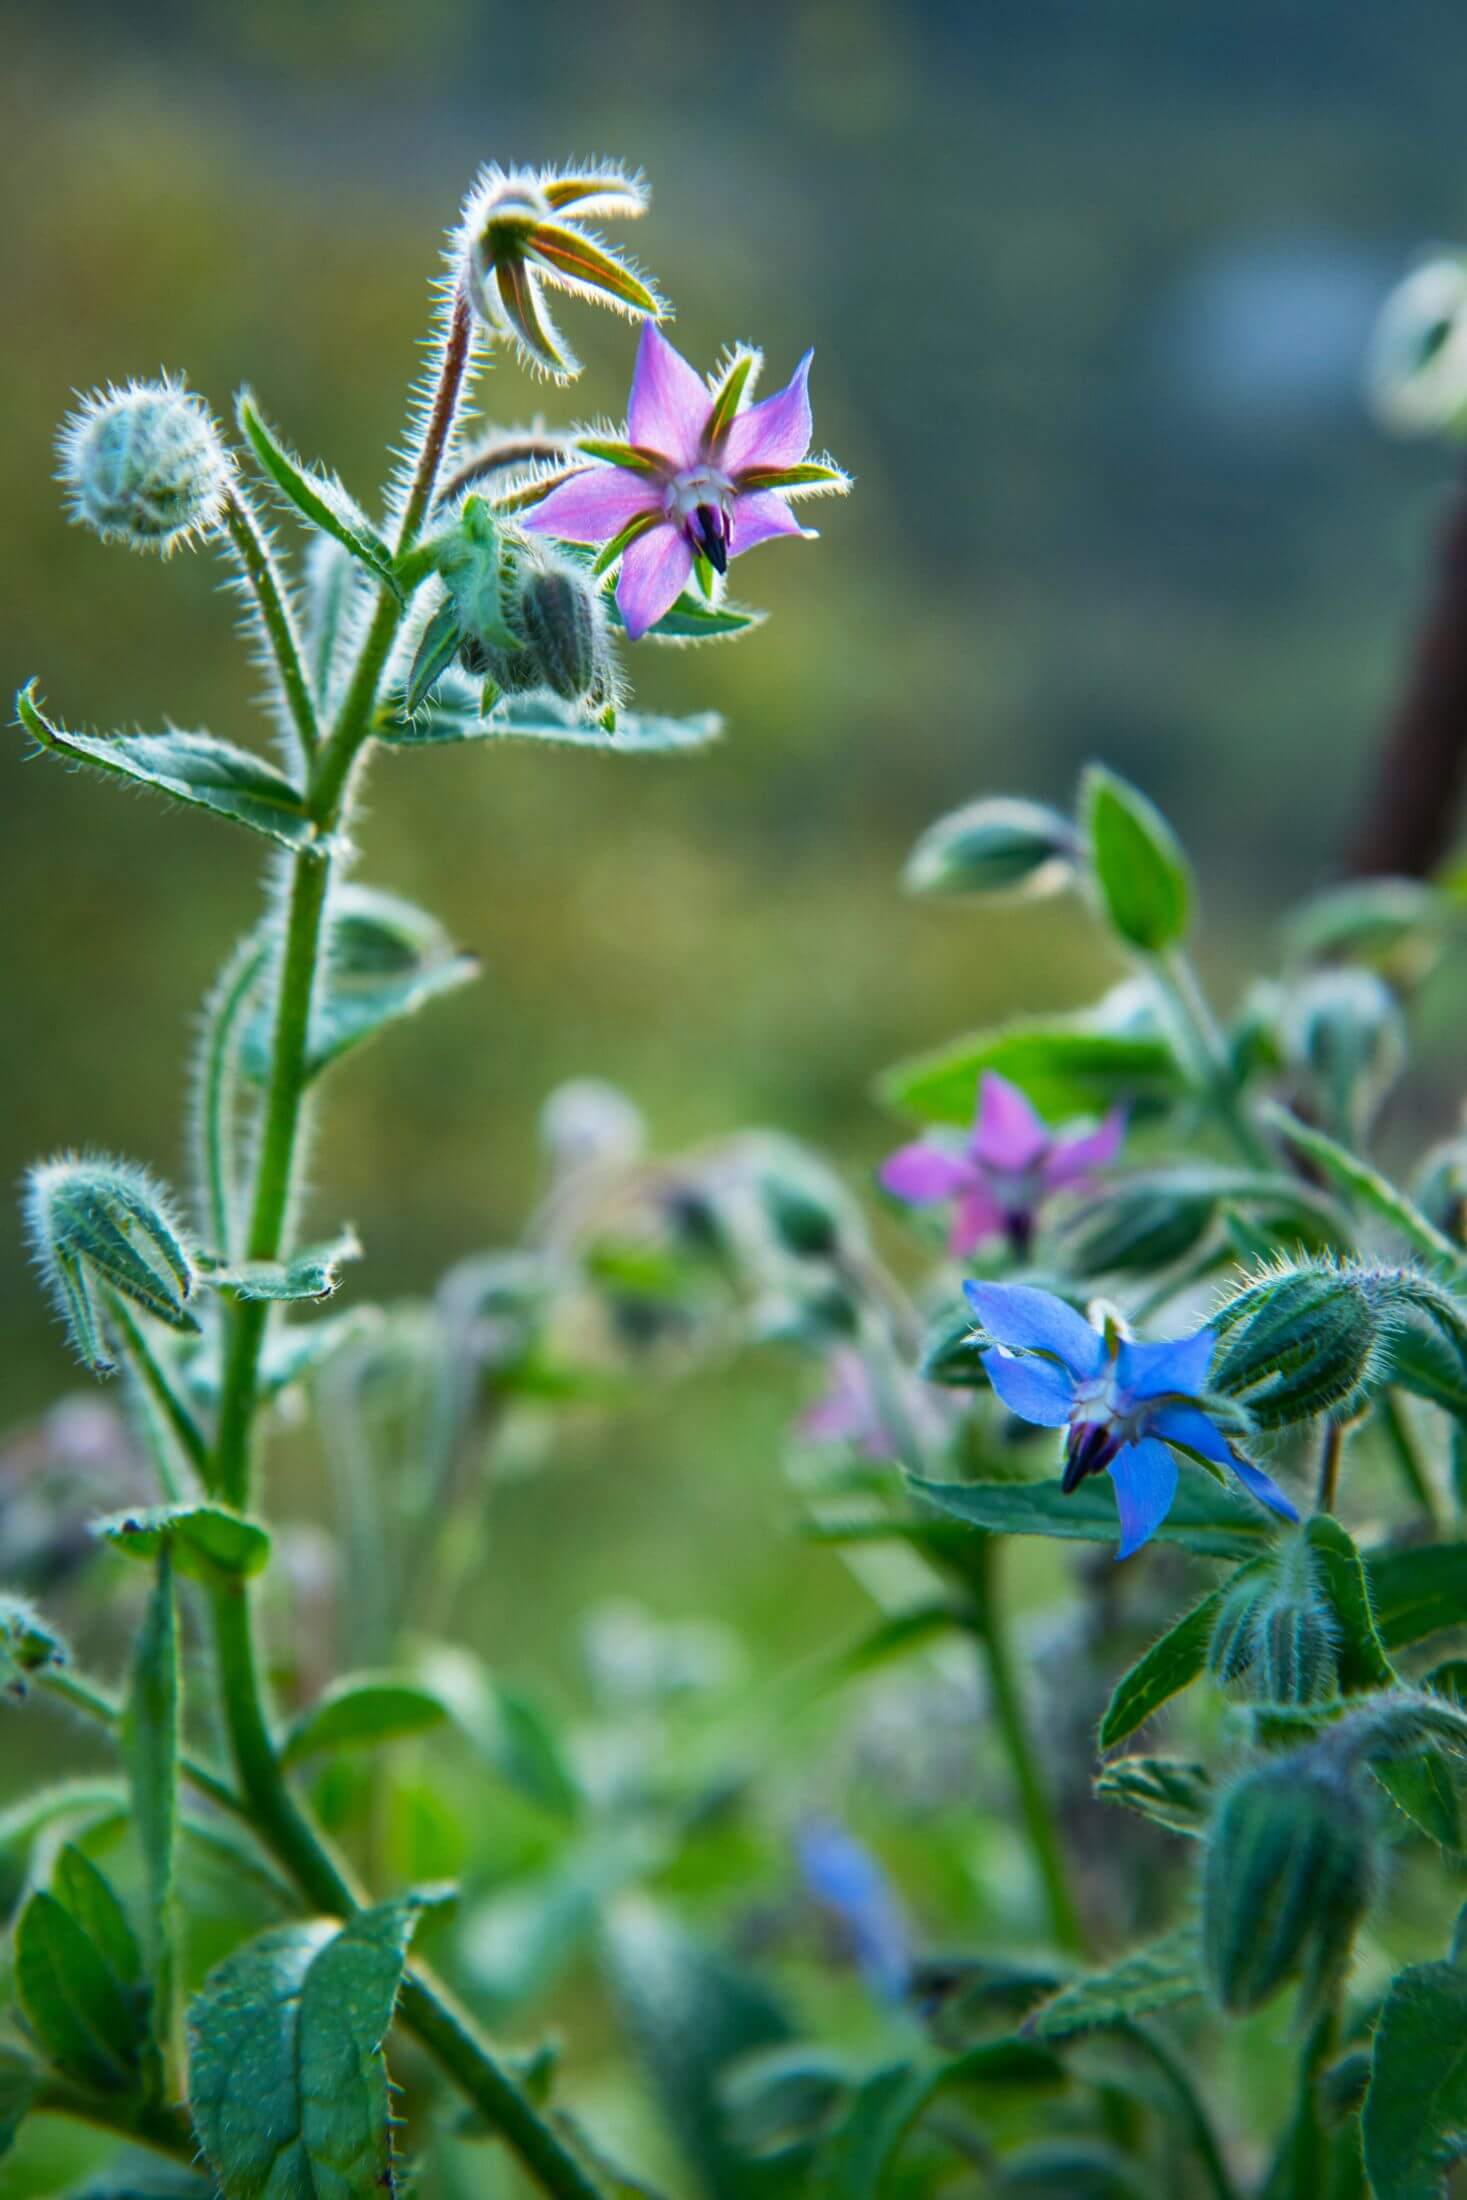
709	533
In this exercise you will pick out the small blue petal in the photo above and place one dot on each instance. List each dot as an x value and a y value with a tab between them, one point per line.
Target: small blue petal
1026	1320
1179	1365
1190	1427
1145	1478
1263	1487
1037	1390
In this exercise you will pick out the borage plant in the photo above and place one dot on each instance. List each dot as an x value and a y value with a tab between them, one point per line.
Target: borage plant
473	611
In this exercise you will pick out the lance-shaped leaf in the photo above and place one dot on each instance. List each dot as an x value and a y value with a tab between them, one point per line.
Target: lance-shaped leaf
287	2080
543	718
98	1225
1138	865
312	1273
1416	1592
1174	1792
1062	1067
206	1540
385	960
83	2018
361	1710
1414	2124
1204	1518
150	1743
193	768
1169	1666
80	1888
1360	1654
436	650
27	1645
1155	1977
318	497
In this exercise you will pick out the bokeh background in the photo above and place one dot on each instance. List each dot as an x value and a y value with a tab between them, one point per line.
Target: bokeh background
1090	291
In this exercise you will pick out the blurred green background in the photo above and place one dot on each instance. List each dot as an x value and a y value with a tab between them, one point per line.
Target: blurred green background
1089	291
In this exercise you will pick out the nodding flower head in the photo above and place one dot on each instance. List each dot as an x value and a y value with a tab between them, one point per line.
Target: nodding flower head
1004	1170
524	228
1126	1408
144	465
700	477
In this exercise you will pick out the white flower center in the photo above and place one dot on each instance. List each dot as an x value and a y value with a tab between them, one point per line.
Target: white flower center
695	486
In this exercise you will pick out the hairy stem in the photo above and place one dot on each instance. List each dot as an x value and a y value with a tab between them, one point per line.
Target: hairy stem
1197	1027
215	1101
180	1421
986	1620
276	618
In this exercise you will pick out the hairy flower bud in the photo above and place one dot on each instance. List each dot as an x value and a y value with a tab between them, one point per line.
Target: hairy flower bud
1345	1028
519	613
558	610
588	1123
523	230
1288	1875
99	1227
999	846
1275	1636
144	465
1296	1344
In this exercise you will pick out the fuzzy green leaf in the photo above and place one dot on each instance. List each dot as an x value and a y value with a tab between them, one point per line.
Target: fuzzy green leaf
313	1273
1204	1518
287	2080
1173	1792
82	2017
1416	1592
1063	1068
193	768
1359	1651
542	718
319	498
80	1888
360	1710
150	1743
1168	1667
1155	1977
1422	1787
207	1540
1138	864
1414	2124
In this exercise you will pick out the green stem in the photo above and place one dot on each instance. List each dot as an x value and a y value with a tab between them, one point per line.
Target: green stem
164	1396
1329	1467
1175	975
216	1082
987	1623
1403	1451
94	1703
253	552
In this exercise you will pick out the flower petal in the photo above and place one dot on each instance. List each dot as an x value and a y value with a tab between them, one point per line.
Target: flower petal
1178	1366
1008	1134
1026	1320
1190	1427
594	505
978	1216
669	405
1262	1486
1145	1480
921	1173
1037	1390
1070	1159
776	431
654	572
758	517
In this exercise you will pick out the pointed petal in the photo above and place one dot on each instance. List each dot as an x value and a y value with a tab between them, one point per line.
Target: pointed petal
759	517
1145	1480
1179	1365
978	1216
1037	1390
776	431
1008	1133
1071	1159
1263	1487
1026	1320
920	1173
1193	1429
594	505
654	572
669	405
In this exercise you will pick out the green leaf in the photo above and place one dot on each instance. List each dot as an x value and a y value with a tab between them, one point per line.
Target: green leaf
858	2157
20	2081
83	2019
1173	1792
149	1740
1167	1971
1415	1592
436	650
1368	919
1063	1068
1414	2124
319	498
998	846
693	620
312	1273
80	1888
359	1710
1360	1653
194	768
287	2081
1168	1667
1138	864
1365	1186
1422	1787
1204	1518
207	1540
513	1733
542	718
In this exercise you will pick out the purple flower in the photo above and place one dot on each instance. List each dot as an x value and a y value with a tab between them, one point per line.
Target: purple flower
1124	1405
848	1883
697	478
1008	1165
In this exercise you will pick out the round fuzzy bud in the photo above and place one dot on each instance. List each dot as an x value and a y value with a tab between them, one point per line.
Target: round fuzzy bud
1345	1028
559	612
144	465
1287	1878
588	1123
1418	363
1295	1345
1000	846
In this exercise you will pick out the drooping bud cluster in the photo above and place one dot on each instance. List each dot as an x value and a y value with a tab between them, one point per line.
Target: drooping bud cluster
144	465
520	614
1288	1875
1275	1638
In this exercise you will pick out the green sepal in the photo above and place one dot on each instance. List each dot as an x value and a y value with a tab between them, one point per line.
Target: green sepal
693	620
318	497
1169	1666
1359	1651
206	1540
193	768
100	1225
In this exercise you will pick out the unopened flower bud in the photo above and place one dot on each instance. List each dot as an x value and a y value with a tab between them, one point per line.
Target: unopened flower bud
1345	1028
1000	846
588	1123
1296	1345
103	1229
1276	1635
1418	362
1288	1875
144	465
558	610
806	1224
